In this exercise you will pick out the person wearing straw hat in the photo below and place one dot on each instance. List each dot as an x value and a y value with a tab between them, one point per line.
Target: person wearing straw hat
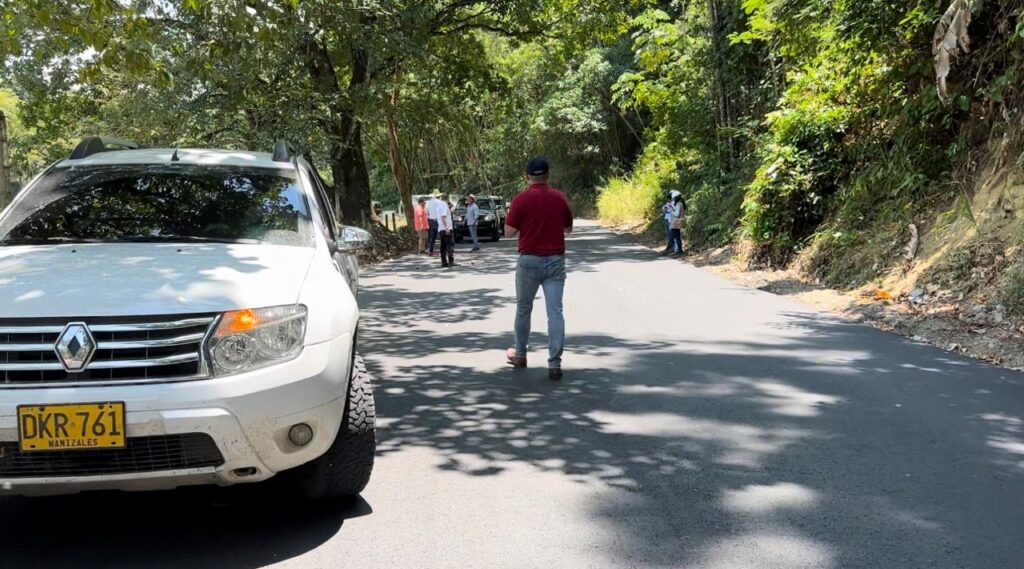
433	209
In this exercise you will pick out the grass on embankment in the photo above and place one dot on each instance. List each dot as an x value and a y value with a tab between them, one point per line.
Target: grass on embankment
632	201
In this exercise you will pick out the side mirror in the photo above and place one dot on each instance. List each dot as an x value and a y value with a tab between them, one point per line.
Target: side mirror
354	239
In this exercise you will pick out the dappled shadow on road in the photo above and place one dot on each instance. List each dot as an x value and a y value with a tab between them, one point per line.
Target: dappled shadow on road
247	526
589	248
403	308
787	453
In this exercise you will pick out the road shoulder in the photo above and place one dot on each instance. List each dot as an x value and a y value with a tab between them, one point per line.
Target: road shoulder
979	331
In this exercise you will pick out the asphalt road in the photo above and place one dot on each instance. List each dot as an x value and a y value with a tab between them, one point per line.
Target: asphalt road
700	425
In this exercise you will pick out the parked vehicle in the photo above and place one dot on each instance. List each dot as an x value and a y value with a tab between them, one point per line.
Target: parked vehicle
178	317
488	222
500	208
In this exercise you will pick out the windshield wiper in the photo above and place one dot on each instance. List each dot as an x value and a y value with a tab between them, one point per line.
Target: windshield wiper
136	239
45	240
180	239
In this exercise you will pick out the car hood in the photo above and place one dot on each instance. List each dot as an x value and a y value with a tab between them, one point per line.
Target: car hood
124	279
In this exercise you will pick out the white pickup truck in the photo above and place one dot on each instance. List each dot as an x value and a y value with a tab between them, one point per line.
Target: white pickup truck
174	317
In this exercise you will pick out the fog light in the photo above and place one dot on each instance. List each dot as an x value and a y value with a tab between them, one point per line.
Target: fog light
300	435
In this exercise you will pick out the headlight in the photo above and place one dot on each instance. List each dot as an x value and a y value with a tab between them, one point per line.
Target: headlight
254	338
490	217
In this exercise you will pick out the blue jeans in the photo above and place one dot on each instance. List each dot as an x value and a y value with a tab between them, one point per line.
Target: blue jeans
677	241
474	236
548	273
432	235
668	235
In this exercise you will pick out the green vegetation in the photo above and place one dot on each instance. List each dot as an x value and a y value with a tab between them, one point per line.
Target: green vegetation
26	163
632	200
816	126
1013	289
387	98
811	128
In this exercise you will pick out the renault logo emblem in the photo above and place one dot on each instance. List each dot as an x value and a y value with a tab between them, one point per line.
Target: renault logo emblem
75	347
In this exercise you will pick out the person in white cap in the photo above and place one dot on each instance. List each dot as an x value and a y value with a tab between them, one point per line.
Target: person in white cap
667	210
677	223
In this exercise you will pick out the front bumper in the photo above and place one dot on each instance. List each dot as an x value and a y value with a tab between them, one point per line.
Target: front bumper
248	417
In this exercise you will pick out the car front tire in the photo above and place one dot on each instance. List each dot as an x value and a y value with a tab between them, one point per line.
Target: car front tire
344	470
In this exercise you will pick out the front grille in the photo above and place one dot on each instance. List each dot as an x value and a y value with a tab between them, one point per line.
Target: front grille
127	349
142	454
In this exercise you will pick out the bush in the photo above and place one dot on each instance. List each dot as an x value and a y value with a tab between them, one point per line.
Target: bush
713	212
1013	289
388	244
781	206
867	219
801	168
638	198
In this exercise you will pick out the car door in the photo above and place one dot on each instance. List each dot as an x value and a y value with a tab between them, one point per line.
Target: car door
345	262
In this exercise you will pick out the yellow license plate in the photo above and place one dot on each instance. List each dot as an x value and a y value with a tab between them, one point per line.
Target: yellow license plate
81	426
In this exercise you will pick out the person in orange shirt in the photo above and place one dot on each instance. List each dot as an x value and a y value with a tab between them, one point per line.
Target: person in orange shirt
422	224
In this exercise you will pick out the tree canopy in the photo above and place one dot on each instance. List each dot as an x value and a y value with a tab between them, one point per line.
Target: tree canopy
784	123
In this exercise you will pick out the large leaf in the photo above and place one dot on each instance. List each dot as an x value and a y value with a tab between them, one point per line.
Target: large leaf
951	39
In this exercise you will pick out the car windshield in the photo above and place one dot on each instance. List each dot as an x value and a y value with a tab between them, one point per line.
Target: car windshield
145	202
482	203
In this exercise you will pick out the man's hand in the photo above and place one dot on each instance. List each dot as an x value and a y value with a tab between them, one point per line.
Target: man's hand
568	230
511	232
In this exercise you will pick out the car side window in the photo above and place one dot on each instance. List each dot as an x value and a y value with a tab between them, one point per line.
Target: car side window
323	207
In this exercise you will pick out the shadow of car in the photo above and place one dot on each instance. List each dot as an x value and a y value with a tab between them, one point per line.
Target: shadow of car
242	526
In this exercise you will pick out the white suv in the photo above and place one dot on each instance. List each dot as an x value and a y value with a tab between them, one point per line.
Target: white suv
174	317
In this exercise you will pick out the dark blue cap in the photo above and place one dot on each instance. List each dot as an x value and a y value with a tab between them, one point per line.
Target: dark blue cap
537	166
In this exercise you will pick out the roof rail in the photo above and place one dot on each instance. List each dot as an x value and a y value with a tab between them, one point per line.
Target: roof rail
94	145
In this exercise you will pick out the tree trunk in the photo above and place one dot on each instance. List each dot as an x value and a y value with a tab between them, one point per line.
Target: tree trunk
718	47
351	178
6	193
344	130
398	167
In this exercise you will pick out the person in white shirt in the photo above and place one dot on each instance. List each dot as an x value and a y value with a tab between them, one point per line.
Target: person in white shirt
432	207
472	214
677	224
667	211
446	232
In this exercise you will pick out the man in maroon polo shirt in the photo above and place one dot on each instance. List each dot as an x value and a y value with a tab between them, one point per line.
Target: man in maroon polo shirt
541	217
